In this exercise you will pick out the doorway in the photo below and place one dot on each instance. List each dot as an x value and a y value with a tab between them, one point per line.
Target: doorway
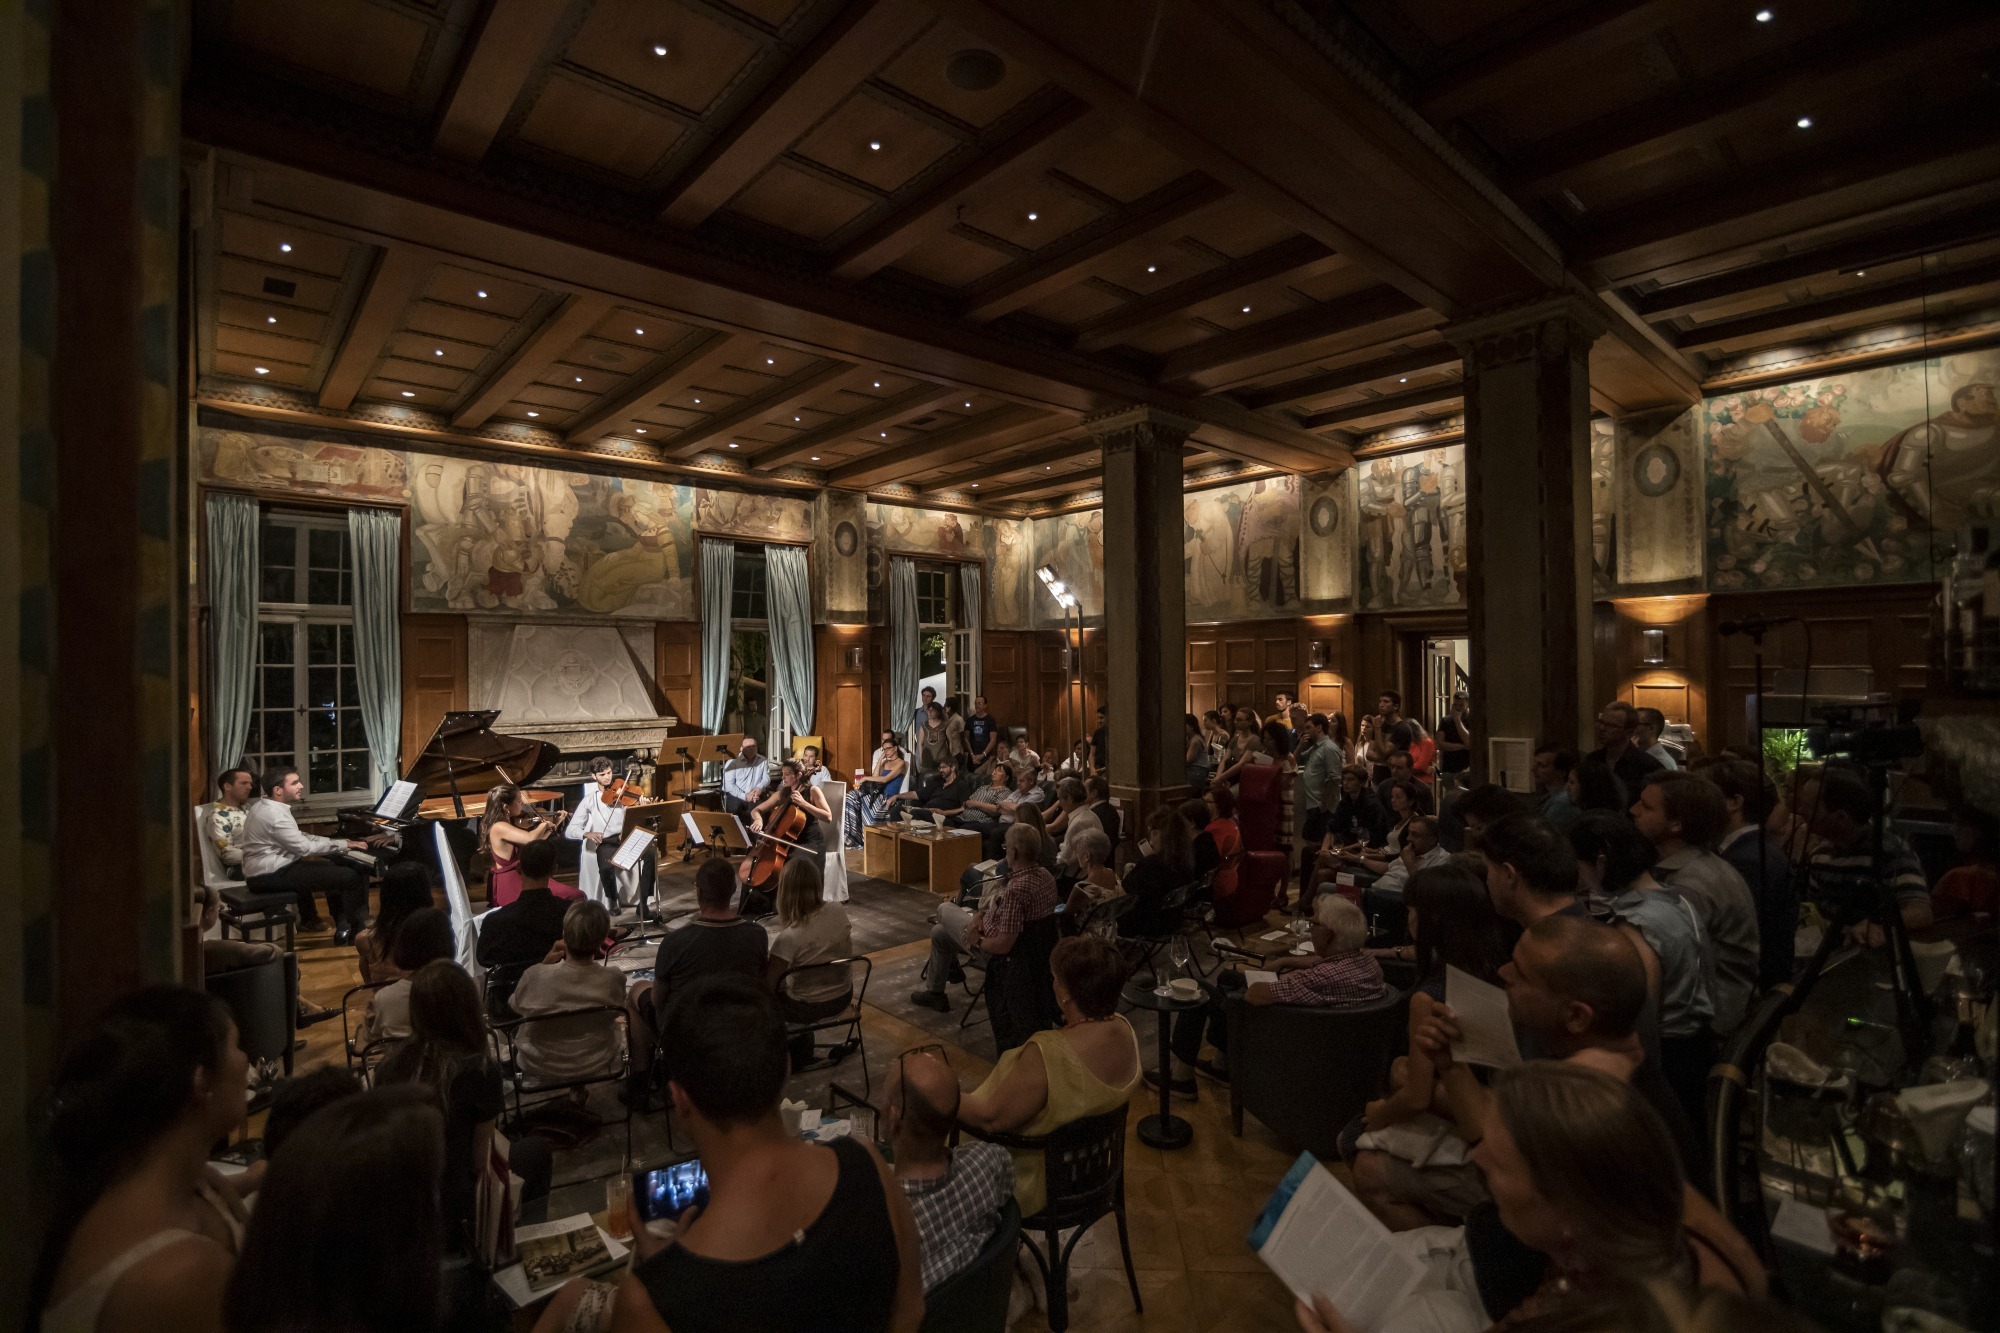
1447	671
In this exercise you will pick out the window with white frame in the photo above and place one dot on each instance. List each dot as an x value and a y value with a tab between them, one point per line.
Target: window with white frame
756	706
307	710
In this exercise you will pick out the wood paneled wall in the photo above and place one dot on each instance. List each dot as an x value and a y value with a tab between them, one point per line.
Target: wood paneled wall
842	697
434	675
677	673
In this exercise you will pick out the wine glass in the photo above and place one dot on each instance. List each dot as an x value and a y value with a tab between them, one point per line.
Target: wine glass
1180	956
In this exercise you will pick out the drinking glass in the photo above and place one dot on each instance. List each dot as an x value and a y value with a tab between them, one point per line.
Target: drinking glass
1180	956
617	1201
861	1123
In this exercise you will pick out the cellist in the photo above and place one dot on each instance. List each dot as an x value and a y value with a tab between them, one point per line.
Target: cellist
597	824
768	825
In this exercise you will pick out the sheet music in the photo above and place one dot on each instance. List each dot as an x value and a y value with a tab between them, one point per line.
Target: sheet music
630	850
1485	1026
397	802
692	830
1318	1238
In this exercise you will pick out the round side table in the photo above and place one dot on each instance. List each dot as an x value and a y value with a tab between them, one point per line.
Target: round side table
1165	1130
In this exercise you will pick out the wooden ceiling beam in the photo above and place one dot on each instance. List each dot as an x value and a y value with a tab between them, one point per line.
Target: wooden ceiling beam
911	402
577	315
1968	227
993	429
1230	428
1865	54
1149	312
1069	444
784	397
496	66
1030	148
1441	357
1300	326
1068	261
1384	405
825	72
1854	302
1054	484
615	413
1493	70
1815	186
398	274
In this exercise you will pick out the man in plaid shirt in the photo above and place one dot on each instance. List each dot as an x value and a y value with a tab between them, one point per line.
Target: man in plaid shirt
956	1194
1338	973
1028	895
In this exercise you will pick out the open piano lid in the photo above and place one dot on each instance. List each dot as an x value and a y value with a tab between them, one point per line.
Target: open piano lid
465	751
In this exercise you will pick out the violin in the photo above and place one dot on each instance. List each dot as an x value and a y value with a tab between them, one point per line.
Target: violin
623	793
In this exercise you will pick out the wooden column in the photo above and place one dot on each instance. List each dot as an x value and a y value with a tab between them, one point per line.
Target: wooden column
1145	609
1527	466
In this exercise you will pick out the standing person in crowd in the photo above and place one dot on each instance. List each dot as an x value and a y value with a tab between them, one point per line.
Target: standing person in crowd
957	743
1099	790
1531	870
1617	732
1454	737
956	1194
278	858
234	790
406	888
1287	711
1842	873
1647	737
1594	786
1319	762
1196	768
1028	895
921	718
1682	815
744	779
984	736
1553	765
504	831
1759	857
447	1053
557	1050
348	1232
1100	744
931	746
144	1232
796	1235
1469	814
1616	863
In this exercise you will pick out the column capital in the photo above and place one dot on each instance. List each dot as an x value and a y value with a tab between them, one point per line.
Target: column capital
1561	322
1140	424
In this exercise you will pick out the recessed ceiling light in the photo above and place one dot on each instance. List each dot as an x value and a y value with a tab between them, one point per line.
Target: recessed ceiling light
975	485
642	430
732	444
1404	380
285	247
1765	16
769	362
577	378
885	434
697	402
878	384
534	414
408	394
1246	309
640	332
659	48
481	294
1804	122
1860	272
263	370
1032	217
1152	268
874	145
795	418
270	319
815	458
968	404
439	352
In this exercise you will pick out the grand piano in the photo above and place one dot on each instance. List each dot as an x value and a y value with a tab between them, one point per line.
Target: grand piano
449	781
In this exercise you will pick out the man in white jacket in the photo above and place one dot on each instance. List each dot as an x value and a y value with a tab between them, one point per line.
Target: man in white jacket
279	858
598	826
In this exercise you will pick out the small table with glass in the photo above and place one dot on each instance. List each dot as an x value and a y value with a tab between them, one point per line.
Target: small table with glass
1167	1130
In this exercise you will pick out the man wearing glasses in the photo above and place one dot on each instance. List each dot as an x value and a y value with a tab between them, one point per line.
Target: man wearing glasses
957	1193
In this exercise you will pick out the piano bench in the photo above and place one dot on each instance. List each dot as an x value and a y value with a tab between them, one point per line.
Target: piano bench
244	912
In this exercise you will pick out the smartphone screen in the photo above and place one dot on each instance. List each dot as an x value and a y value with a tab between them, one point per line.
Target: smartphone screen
667	1191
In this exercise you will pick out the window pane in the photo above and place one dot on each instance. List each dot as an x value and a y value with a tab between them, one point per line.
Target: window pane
278	736
322	644
326	548
346	642
323	687
323	774
278	584
353	734
322	732
278	687
274	642
354	770
326	587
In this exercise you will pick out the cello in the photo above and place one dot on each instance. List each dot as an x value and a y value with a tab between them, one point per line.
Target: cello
778	839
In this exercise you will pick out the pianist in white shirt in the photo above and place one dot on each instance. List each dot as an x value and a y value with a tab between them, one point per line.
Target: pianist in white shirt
279	858
598	826
744	779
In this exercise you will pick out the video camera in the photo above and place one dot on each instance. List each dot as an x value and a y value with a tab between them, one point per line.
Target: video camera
1870	734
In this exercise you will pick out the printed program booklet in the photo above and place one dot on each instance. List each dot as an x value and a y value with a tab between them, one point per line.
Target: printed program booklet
555	1252
1318	1238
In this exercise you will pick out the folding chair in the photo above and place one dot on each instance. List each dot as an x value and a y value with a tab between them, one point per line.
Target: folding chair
524	1083
362	1058
800	992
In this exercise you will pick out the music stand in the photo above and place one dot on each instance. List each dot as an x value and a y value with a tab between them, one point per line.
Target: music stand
715	831
686	749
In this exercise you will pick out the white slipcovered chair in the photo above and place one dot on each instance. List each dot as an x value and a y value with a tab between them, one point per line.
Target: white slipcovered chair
833	863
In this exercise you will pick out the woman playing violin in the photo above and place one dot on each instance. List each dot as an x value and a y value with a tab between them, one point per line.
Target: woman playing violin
508	824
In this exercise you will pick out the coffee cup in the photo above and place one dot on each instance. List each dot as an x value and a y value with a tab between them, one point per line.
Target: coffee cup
1185	988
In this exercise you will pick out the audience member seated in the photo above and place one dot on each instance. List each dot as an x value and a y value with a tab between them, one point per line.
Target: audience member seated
1087	1066
714	940
1072	798
869	802
1099	791
956	1194
1972	887
1097	882
1339	972
1167	867
1466	818
348	1232
406	889
1420	852
1027	895
1357	819
1199	814
1682	815
143	1233
987	808
1450	919
1841	876
1614	862
744	779
1531	871
1553	765
584	1045
1402	768
811	930
1030	814
447	1053
1022	755
941	795
524	931
1078	762
1584	1175
235	788
1226	835
1408	800
1748	798
296	1100
424	937
796	1235
1027	791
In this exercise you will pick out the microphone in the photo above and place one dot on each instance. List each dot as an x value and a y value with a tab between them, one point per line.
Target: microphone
1755	626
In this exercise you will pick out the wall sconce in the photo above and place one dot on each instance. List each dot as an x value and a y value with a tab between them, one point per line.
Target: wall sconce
1653	647
1316	654
856	654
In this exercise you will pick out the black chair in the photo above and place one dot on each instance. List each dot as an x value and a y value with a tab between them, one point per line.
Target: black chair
974	1299
501	979
525	1084
1305	1071
804	1017
270	915
1083	1166
362	1056
1020	986
263	999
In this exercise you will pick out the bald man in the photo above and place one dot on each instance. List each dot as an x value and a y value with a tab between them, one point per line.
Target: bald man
957	1193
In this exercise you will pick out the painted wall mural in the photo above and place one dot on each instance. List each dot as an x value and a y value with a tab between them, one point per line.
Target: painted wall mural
1243	550
1011	573
1073	544
1410	530
1326	540
1656	495
1850	479
840	555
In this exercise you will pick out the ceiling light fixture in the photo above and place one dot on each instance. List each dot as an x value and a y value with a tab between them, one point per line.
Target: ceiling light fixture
481	294
1765	16
885	434
284	247
642	430
769	362
534	414
270	319
1804	122
732	444
874	145
1860	272
1246	309
878	384
815	458
975	485
1152	268
1404	380
263	370
968	404
697	402
660	49
408	394
1032	217
439	352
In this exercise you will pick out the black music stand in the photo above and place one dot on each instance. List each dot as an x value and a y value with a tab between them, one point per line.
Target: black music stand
715	831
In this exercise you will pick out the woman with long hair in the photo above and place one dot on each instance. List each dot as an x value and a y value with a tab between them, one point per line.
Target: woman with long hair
1027	812
501	834
406	888
347	1233
1452	924
810	930
447	1053
1167	865
1195	762
145	1232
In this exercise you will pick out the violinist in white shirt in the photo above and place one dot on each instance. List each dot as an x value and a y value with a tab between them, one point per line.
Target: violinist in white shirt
597	823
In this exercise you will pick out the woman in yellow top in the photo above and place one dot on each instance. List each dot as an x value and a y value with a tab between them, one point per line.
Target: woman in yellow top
1087	1066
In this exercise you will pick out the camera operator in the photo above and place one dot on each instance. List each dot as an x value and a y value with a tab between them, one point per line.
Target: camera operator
1841	808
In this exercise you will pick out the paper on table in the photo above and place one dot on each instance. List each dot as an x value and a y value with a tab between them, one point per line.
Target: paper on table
1318	1238
1802	1225
630	850
1485	1028
513	1279
1251	976
1274	935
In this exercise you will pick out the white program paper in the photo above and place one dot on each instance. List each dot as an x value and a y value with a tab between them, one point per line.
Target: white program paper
513	1279
1318	1238
1251	976
630	850
1485	1027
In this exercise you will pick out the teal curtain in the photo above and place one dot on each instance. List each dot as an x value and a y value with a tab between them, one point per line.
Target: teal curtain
789	592
718	583
232	610
905	652
971	592
376	536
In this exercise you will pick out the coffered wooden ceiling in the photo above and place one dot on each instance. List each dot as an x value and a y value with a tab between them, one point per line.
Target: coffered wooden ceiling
909	245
